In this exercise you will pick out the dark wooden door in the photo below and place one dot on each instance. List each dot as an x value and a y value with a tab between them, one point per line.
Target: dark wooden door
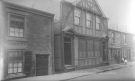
41	65
67	51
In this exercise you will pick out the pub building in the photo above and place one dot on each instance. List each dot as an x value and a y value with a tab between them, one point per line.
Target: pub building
80	32
81	36
26	38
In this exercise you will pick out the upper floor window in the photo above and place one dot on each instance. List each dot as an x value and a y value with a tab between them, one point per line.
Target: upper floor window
118	38
98	23
88	20
113	37
16	25
124	39
77	15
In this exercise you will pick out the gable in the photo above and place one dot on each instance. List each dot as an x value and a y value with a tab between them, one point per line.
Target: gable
90	5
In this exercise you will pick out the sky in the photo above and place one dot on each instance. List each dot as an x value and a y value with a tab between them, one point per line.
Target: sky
121	13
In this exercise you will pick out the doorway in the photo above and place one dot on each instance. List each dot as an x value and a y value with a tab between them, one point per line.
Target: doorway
67	51
41	65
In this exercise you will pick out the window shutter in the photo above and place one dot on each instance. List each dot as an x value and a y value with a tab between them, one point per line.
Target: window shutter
28	63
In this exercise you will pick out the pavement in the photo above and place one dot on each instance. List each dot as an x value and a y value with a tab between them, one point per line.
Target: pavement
74	74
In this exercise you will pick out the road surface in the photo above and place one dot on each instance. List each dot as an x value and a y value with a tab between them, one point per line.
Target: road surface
124	74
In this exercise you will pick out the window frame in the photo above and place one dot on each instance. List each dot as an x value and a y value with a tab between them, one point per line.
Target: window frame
98	23
20	35
113	37
15	62
89	20
124	38
77	16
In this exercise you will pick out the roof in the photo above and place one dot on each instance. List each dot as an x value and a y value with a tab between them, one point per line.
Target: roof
120	31
39	5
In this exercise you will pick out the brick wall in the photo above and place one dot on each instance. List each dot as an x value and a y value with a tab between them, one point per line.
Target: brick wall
39	34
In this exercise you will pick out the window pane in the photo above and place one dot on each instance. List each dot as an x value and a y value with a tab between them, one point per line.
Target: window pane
15	65
88	24
10	70
16	61
97	20
10	65
88	16
20	64
17	17
16	33
77	12
15	70
88	20
19	69
21	34
77	21
97	25
21	30
12	31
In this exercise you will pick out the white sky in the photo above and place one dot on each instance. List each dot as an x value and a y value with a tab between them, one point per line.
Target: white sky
120	12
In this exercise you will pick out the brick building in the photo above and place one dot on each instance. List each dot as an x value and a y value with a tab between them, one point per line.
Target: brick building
120	45
80	36
80	31
26	38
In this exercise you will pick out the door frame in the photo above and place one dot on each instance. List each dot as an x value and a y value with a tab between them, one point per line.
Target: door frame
36	62
72	50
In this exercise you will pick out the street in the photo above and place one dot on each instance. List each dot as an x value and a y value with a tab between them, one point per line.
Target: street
124	74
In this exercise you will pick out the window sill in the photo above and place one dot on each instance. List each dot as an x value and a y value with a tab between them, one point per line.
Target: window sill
16	38
89	28
77	25
98	30
10	76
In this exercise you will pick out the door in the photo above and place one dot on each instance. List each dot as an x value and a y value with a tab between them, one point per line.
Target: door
67	51
41	65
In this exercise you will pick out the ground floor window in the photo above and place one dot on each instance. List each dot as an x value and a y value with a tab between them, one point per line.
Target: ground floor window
89	52
15	61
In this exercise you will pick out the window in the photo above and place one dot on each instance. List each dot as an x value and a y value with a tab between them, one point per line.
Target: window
77	15
113	38
98	24
88	20
15	61
16	25
124	39
118	38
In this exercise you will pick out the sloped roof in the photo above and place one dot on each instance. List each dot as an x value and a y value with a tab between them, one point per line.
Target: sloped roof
50	6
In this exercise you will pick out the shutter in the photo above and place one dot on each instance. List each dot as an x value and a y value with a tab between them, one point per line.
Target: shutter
28	63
